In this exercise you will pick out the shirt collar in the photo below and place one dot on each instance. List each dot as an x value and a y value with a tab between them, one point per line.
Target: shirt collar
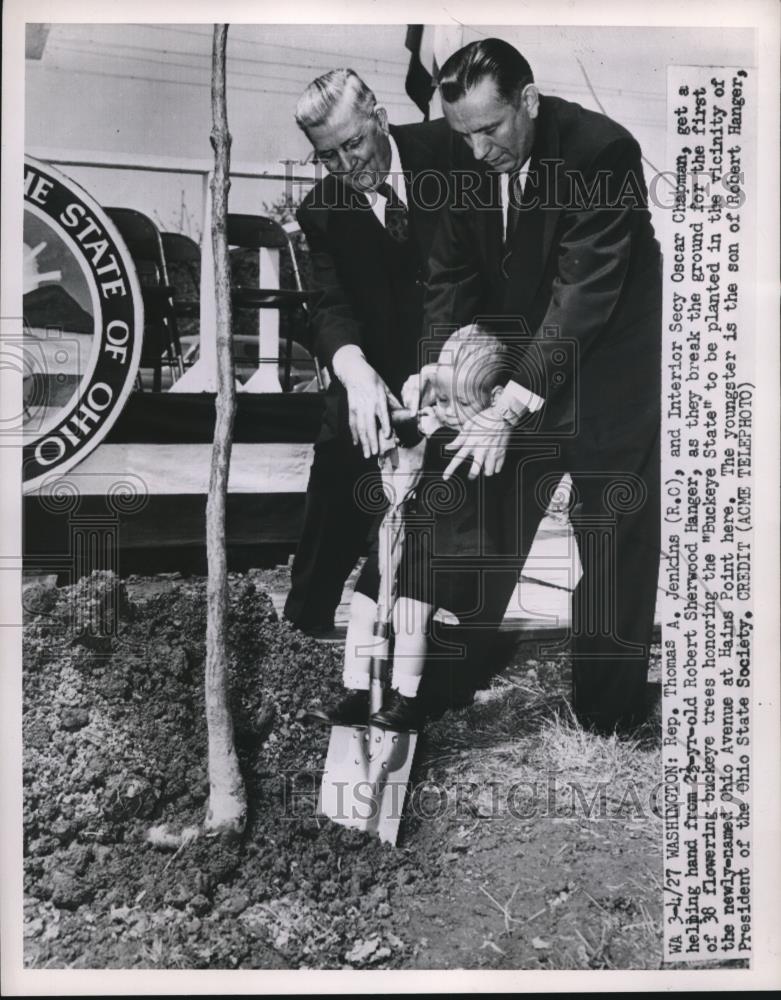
504	182
396	180
523	173
396	175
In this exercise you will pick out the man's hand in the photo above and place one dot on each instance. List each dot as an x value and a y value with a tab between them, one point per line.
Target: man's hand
484	439
367	398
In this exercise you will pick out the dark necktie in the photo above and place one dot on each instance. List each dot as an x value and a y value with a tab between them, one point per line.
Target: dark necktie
514	197
396	214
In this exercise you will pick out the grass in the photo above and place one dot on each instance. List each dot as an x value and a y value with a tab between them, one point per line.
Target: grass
600	790
508	711
524	735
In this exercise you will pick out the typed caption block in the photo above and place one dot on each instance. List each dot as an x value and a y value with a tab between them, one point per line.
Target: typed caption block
707	533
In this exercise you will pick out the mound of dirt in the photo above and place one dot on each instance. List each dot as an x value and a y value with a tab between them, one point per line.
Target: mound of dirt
115	743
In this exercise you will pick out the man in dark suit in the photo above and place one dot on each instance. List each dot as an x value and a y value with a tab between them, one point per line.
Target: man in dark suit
369	224
550	237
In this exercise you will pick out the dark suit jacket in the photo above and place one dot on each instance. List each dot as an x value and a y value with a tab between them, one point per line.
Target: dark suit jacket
580	282
367	290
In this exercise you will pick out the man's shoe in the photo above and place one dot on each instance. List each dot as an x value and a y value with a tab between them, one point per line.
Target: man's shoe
352	710
320	630
399	713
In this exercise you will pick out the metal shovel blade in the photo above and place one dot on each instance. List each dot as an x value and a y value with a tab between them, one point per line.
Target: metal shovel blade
367	768
365	779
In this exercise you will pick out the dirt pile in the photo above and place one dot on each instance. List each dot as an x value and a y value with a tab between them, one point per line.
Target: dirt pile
115	742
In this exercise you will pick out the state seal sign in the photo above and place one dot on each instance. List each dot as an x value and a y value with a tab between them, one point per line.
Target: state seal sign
83	324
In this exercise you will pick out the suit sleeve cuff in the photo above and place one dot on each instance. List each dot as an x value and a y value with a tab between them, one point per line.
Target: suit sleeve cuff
345	361
515	400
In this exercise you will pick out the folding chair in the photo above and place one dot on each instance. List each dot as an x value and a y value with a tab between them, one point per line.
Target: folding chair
183	260
161	338
247	235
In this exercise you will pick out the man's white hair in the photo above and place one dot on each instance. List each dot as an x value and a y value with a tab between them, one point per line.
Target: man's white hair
323	94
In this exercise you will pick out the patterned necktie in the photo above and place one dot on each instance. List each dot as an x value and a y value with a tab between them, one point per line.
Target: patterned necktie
396	214
514	196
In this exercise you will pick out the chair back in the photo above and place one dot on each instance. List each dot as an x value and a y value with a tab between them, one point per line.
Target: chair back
183	262
253	232
161	344
180	249
144	243
248	234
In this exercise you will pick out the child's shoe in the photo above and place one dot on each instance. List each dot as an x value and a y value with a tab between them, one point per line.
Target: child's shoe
398	713
351	710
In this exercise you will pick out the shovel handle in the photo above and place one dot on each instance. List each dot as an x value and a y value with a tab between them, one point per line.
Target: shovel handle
378	669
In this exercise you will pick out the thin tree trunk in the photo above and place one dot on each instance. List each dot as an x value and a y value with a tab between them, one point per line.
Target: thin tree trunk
227	798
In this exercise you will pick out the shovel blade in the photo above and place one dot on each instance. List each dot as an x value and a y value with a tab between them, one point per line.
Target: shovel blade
365	779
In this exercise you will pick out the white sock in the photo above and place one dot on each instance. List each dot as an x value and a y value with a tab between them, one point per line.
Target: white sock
358	679
406	684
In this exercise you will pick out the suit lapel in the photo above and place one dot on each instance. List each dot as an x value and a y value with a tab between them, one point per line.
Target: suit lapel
361	217
525	261
485	211
357	229
492	217
485	215
417	157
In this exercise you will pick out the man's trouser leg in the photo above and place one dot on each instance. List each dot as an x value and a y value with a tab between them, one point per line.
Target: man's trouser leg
483	592
618	532
333	536
616	523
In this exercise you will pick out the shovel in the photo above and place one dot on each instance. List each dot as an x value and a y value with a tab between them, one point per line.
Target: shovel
367	768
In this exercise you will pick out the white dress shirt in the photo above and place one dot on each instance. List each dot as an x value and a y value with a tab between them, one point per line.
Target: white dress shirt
504	181
515	399
396	180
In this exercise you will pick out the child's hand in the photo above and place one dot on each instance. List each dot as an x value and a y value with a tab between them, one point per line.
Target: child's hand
428	421
418	390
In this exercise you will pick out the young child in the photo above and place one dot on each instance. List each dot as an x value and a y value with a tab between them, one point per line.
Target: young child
466	379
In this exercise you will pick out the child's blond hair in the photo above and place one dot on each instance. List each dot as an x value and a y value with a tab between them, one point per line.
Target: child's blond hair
478	357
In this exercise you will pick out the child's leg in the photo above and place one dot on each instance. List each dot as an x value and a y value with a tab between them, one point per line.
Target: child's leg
359	642
410	625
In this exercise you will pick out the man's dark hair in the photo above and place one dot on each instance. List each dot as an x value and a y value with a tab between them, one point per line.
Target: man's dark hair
489	57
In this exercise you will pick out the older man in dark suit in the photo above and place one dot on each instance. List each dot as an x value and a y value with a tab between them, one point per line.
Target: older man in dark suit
550	237
369	224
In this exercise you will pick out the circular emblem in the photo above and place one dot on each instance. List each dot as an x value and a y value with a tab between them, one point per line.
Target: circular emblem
83	324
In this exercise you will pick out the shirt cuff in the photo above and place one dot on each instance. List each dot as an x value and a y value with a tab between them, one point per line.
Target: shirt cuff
515	400
345	361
